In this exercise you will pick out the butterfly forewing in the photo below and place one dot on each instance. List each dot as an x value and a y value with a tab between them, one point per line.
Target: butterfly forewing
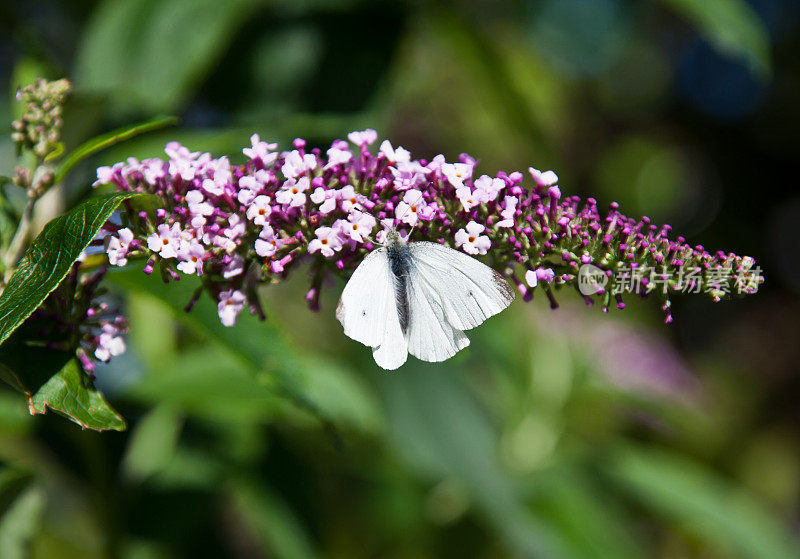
368	311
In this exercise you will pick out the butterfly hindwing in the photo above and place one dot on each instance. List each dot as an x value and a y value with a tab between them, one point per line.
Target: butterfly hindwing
430	336
468	290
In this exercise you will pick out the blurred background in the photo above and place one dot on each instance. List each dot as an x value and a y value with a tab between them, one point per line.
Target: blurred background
563	434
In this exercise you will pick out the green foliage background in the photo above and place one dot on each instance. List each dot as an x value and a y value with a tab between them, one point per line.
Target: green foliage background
561	434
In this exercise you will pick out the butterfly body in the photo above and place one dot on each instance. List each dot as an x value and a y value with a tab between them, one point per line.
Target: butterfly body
399	256
418	298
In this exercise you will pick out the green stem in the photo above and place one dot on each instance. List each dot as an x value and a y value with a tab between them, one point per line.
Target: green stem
18	243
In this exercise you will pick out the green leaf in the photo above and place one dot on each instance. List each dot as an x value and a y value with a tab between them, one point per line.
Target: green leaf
589	518
104	141
441	432
14	416
341	395
151	54
263	348
56	153
50	257
214	140
732	27
12	483
8	222
152	331
19	525
702	503
263	351
277	529
52	378
153	442
71	393
209	384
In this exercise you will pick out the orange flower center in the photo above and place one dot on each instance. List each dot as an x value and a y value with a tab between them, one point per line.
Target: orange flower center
471	239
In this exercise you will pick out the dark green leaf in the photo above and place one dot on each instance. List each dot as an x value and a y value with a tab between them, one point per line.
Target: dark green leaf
71	393
50	257
14	416
52	378
277	529
731	26
702	503
12	483
104	141
26	359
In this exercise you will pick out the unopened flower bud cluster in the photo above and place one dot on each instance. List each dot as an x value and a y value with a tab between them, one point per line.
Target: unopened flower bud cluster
38	130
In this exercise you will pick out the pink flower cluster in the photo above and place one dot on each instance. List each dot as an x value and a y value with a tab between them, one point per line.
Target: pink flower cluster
242	225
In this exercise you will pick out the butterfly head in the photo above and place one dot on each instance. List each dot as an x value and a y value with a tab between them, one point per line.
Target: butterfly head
393	238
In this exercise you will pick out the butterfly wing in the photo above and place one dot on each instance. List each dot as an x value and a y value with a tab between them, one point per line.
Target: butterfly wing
430	336
466	290
446	292
368	311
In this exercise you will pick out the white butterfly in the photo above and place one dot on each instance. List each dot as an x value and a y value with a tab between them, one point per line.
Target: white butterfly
418	298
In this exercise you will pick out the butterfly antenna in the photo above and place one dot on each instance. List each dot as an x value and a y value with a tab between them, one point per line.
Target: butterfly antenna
375	242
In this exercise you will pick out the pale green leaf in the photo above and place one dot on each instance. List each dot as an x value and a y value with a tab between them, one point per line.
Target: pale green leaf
104	141
152	443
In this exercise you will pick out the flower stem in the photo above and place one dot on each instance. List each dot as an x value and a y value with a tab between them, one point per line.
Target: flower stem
18	243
